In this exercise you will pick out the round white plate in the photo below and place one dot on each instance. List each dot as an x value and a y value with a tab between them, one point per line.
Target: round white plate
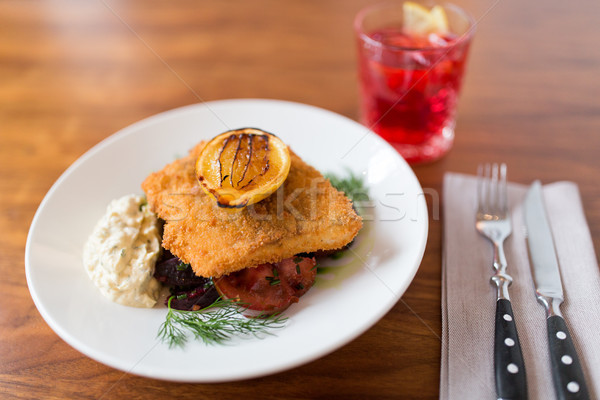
352	296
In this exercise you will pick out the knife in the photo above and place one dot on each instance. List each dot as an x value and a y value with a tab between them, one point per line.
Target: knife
567	374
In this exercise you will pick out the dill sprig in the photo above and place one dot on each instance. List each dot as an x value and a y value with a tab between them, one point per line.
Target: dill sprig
352	185
214	324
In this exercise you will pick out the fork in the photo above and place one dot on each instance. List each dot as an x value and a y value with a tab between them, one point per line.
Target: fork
493	222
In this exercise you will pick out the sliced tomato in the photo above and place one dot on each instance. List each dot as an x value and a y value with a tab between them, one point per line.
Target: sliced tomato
269	288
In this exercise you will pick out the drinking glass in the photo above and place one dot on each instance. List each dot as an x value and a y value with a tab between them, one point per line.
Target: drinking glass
409	84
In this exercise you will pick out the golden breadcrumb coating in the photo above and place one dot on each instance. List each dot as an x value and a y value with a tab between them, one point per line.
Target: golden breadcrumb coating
306	214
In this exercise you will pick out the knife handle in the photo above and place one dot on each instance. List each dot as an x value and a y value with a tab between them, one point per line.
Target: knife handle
569	382
509	367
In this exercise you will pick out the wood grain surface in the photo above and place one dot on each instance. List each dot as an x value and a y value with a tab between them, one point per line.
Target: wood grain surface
74	72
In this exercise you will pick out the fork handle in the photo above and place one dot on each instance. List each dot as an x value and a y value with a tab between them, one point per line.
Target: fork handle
509	367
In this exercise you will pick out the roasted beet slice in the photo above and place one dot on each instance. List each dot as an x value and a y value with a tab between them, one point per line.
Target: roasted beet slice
189	292
194	299
171	271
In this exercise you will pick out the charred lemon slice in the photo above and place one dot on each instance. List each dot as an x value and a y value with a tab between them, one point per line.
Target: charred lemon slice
242	167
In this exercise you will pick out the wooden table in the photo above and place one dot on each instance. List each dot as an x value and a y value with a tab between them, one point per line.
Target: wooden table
74	72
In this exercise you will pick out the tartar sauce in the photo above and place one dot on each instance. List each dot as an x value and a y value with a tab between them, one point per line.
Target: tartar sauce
121	253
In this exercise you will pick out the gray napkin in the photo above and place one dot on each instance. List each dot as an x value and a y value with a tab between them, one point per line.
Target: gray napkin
469	301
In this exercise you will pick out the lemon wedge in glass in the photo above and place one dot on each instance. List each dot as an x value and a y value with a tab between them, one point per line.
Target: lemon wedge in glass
243	166
419	21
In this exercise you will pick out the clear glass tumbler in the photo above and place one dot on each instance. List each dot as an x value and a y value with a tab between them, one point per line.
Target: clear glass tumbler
410	77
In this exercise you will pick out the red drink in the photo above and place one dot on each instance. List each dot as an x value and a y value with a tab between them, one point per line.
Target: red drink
409	89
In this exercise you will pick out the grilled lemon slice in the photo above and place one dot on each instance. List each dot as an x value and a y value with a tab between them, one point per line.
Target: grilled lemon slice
242	166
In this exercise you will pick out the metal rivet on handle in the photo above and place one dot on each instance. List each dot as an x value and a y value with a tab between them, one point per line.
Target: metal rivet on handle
573	387
567	360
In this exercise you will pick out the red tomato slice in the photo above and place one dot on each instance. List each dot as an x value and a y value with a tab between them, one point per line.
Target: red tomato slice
269	288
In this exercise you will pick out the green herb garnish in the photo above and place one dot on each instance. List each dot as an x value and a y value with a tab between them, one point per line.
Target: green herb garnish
214	324
182	266
354	188
272	280
143	204
352	185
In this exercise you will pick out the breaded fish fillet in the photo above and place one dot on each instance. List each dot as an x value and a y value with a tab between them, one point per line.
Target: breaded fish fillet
306	214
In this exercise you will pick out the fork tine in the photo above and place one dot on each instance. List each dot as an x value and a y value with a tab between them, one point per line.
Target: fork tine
485	189
503	195
480	188
488	189
494	192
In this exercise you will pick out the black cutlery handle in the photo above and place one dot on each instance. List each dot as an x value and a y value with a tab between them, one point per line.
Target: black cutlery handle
567	374
509	367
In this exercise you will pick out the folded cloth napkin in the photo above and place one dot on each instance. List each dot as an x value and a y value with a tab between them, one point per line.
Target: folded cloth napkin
469	300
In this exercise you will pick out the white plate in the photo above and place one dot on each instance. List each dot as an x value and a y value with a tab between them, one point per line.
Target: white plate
364	285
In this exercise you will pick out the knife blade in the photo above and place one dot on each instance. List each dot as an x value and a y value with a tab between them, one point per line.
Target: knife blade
567	374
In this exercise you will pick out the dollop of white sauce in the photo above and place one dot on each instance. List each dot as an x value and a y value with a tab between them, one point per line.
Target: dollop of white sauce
121	253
